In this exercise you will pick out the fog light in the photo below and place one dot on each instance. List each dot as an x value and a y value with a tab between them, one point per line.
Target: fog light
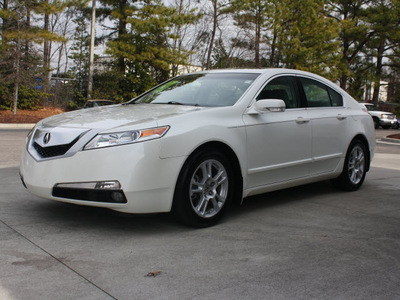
118	197
108	185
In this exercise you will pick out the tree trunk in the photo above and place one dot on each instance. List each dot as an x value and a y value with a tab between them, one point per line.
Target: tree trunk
28	25
378	73
343	81
17	72
16	97
46	54
91	55
214	30
258	40
121	35
273	48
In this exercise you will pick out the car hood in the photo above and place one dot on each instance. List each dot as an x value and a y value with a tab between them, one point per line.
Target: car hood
110	117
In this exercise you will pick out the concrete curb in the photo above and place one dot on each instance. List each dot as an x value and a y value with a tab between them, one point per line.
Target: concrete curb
386	139
16	126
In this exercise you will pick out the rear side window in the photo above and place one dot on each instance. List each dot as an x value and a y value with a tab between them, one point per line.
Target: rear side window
320	95
283	88
336	98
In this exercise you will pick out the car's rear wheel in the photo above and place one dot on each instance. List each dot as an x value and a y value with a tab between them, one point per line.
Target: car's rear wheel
204	189
354	169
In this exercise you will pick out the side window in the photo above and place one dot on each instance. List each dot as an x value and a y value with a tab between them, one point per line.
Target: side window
284	88
336	98
316	93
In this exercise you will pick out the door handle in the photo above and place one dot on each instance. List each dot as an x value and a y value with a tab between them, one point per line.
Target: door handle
341	117
301	120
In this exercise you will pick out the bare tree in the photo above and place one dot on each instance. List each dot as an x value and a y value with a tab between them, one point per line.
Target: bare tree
183	42
218	11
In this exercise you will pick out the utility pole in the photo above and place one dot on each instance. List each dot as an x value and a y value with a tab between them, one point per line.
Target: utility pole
91	55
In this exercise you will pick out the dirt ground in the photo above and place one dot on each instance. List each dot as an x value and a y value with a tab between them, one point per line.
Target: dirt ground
28	116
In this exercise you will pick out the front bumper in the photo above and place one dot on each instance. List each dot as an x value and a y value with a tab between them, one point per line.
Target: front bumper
147	181
388	122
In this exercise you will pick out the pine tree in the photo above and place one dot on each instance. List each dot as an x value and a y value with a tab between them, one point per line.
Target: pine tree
19	60
79	54
354	34
308	38
383	18
141	44
253	17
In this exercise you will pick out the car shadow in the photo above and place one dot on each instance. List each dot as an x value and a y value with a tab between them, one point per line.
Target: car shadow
70	216
283	197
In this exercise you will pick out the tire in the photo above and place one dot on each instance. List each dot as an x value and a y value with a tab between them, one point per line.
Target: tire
354	169
385	127
376	123
204	189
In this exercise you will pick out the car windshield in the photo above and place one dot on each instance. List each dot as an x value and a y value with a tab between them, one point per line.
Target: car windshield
371	108
217	89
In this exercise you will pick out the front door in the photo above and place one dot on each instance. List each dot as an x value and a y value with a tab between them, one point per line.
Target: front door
278	143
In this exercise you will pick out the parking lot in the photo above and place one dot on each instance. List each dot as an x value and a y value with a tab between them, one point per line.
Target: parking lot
309	242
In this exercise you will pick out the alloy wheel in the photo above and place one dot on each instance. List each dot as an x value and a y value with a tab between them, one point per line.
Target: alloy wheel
208	190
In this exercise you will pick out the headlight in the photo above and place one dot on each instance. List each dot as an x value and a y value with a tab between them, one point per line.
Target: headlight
126	137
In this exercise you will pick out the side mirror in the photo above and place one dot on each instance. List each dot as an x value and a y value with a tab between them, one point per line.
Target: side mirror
267	105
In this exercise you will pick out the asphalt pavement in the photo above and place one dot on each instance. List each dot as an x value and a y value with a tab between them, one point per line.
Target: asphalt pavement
309	242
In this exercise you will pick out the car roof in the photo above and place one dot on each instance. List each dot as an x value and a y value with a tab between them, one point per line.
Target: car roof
255	71
267	71
99	100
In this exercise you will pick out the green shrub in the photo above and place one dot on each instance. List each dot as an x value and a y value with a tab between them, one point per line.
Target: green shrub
28	98
5	97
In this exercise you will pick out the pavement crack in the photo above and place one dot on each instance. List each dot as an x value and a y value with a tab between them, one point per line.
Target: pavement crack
59	261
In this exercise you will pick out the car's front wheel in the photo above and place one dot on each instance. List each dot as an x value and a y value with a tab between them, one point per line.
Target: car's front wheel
355	167
204	189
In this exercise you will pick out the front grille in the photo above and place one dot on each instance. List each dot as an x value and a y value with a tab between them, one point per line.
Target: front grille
51	151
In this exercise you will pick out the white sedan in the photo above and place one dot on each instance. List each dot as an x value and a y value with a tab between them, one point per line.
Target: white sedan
199	142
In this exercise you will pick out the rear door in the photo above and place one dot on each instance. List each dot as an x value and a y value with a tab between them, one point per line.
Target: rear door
329	122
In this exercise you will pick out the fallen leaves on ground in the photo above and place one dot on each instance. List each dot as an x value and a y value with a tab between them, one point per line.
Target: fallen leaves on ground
153	274
28	116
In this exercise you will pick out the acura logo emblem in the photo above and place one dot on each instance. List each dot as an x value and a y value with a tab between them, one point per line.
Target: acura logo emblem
46	138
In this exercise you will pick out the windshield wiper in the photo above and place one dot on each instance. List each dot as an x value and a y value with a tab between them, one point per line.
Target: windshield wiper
175	102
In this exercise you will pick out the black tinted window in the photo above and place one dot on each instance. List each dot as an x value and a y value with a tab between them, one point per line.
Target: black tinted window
320	95
316	93
283	88
336	98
